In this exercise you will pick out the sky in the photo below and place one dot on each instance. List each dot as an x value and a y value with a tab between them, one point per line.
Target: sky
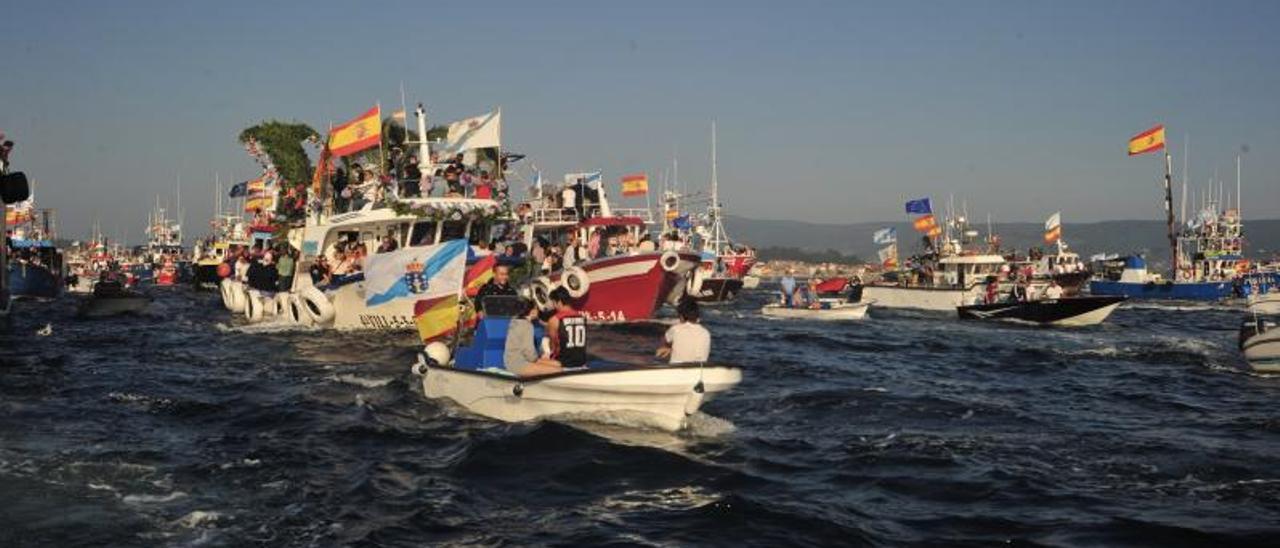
827	111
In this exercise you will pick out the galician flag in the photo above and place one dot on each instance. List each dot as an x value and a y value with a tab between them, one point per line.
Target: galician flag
885	236
415	272
1053	228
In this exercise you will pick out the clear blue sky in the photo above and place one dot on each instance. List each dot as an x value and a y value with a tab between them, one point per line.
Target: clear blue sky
827	111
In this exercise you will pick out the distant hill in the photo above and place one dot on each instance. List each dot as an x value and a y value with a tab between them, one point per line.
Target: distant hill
1262	236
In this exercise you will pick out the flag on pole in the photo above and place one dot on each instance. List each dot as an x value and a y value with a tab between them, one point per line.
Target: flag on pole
415	272
479	274
888	256
239	189
362	132
926	224
1053	228
886	235
322	168
921	206
1147	141
484	131
636	184
257	196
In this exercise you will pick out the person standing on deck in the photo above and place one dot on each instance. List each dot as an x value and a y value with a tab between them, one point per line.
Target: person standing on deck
285	268
788	285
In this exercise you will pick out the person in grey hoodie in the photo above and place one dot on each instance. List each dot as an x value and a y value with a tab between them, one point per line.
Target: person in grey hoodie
520	355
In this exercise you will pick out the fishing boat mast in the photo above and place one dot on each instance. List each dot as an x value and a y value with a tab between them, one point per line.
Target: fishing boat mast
1168	209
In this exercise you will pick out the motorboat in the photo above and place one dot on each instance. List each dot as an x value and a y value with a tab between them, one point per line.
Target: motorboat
1260	343
627	286
661	396
828	309
111	298
953	272
1065	311
1265	303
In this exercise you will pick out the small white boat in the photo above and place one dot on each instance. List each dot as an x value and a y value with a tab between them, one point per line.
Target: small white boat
750	281
830	310
1260	344
1265	303
661	396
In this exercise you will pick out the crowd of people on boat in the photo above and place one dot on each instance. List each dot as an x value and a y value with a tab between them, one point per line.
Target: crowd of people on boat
264	268
358	185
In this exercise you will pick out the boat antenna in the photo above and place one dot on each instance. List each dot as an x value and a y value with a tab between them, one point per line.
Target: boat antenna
1239	202
1186	154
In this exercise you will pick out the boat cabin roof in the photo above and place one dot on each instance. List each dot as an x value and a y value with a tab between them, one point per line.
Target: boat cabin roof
612	221
972	259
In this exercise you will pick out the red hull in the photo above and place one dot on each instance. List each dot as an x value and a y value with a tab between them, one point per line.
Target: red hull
629	288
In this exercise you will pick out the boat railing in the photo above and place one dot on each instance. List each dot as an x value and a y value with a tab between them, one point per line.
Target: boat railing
551	215
642	213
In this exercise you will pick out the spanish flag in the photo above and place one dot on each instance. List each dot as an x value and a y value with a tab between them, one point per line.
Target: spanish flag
436	318
1147	141
927	224
479	274
636	184
365	131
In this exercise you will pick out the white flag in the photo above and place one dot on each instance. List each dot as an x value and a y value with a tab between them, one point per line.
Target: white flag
483	131
1053	221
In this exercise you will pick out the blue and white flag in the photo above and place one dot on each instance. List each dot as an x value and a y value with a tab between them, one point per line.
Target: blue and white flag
239	189
885	236
920	206
415	272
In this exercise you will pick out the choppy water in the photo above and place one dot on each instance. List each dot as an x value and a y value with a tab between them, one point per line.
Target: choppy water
180	428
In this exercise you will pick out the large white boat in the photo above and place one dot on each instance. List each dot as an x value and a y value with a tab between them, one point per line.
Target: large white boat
949	275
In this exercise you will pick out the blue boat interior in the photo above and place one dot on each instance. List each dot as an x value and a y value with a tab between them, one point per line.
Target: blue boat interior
489	341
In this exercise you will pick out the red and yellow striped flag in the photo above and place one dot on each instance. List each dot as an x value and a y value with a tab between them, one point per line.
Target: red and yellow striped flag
926	224
1147	141
636	184
365	131
479	274
436	318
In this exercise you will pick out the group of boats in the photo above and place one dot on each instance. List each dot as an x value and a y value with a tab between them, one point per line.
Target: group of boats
414	264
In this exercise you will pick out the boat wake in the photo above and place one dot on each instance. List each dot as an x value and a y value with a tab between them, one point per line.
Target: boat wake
277	325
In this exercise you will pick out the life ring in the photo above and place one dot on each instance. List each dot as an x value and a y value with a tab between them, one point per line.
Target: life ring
224	270
670	260
253	309
238	296
541	289
576	281
296	311
316	305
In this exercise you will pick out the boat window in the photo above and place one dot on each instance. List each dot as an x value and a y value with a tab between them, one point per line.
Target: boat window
480	232
424	233
453	230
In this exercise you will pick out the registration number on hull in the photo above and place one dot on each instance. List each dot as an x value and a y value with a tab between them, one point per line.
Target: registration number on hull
606	316
378	321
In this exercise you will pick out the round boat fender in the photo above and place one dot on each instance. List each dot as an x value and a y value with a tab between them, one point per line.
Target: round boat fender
316	305
224	270
541	288
253	306
576	281
669	261
239	297
437	353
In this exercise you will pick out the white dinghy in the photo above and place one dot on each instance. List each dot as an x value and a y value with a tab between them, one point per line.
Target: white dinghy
660	396
1260	343
830	310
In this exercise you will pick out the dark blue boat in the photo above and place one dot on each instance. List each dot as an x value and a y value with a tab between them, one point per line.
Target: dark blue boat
35	270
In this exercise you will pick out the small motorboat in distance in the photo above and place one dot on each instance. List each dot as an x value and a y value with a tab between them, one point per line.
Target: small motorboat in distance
110	298
662	396
1064	311
828	309
1260	344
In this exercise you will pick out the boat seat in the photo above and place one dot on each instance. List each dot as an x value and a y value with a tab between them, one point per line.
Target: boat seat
490	338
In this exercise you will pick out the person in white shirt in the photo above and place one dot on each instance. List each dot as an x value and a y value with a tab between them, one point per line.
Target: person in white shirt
687	341
1054	291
